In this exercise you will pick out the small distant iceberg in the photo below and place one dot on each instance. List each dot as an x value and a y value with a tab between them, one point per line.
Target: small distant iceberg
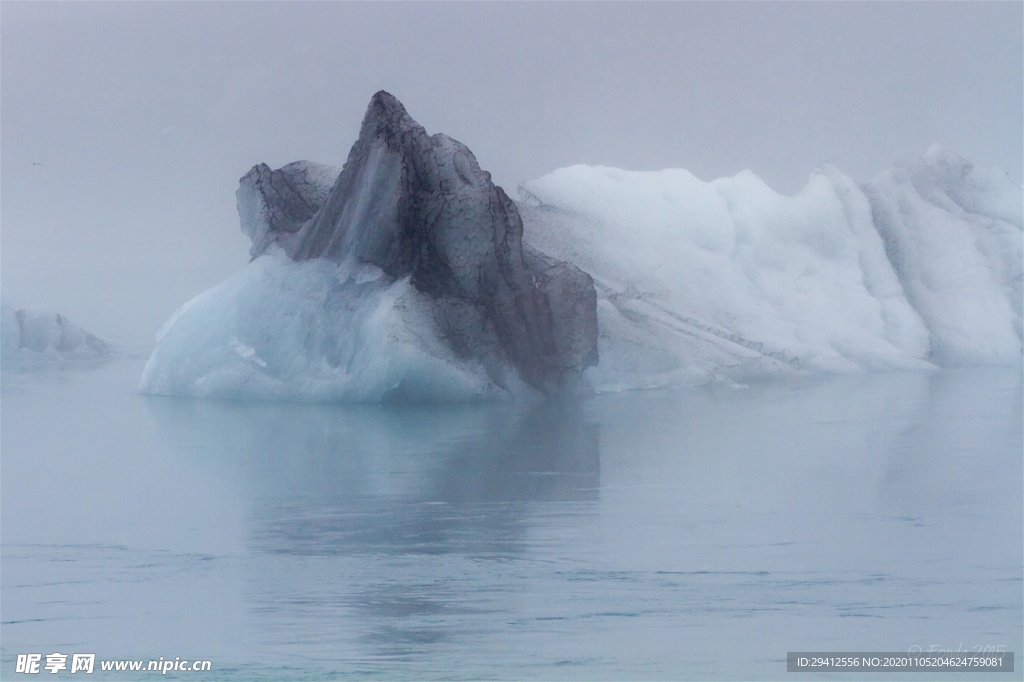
33	333
407	275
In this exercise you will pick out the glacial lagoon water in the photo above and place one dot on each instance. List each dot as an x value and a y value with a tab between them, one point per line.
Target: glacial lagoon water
694	534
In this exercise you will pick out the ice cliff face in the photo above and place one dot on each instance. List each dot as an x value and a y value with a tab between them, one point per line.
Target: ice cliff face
415	233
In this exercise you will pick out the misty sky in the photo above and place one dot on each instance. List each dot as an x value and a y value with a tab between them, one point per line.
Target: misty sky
147	114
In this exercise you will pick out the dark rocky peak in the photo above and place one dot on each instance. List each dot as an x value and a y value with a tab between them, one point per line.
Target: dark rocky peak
419	206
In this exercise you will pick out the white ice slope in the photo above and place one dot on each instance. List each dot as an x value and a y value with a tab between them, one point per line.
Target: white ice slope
697	281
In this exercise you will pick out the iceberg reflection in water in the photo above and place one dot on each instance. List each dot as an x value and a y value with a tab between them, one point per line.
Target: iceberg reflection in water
697	534
398	518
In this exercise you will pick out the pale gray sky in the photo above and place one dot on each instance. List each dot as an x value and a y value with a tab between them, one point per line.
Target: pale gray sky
146	114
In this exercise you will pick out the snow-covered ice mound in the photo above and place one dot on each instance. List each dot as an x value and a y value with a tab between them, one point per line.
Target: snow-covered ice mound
921	267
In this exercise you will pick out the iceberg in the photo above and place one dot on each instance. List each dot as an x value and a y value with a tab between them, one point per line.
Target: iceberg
727	280
402	276
408	275
34	333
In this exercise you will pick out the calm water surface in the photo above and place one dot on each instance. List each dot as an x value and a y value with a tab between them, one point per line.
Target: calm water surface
698	534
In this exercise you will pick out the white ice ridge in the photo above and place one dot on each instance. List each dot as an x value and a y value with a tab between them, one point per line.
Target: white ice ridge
697	281
921	267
